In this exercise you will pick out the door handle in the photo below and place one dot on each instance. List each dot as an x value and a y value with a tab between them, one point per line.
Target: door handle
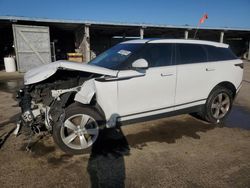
210	69
166	74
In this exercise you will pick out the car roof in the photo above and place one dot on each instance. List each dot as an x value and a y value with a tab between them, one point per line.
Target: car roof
183	41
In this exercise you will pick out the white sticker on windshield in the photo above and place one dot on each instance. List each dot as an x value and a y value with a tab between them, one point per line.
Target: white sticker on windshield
124	52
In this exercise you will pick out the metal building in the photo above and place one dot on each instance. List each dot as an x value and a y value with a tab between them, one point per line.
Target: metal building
36	41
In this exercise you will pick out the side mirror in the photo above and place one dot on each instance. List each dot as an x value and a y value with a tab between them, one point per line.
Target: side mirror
140	64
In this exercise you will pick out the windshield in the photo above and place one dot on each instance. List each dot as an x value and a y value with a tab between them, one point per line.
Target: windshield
115	57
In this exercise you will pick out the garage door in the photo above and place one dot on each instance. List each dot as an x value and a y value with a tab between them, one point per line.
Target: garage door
32	46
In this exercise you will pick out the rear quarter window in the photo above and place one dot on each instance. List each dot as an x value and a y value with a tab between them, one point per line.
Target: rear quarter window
219	54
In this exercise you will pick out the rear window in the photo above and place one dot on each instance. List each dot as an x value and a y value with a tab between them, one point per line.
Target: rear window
219	54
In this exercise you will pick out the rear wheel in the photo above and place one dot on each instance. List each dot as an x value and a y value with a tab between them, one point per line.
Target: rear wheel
79	130
218	105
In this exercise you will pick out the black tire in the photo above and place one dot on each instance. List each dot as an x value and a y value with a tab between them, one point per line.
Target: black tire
59	128
209	111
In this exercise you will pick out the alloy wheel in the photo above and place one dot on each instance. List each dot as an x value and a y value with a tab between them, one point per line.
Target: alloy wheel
79	131
220	105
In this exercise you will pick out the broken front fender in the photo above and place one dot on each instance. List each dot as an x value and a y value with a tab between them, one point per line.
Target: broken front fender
86	92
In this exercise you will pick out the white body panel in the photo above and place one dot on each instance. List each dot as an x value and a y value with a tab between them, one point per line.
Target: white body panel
45	71
154	90
196	81
106	96
188	76
176	41
136	92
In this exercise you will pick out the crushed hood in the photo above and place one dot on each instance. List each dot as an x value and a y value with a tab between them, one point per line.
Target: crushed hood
43	72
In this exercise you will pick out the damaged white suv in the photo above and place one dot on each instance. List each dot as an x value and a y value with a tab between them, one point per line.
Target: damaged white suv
133	81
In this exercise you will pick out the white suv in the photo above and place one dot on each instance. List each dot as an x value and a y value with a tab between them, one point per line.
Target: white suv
133	81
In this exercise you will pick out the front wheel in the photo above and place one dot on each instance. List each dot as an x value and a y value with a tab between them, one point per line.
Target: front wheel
79	130
218	105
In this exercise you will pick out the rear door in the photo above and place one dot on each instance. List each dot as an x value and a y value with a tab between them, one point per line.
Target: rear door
32	46
154	92
193	75
226	65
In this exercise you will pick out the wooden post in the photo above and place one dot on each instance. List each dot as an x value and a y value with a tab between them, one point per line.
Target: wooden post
82	42
86	40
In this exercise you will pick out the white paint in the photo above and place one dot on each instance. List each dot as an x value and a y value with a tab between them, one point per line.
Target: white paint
189	41
194	82
107	97
57	93
43	72
137	41
160	111
150	91
87	92
140	64
184	41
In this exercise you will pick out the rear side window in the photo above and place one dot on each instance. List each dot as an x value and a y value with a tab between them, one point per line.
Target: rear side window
190	53
219	54
157	55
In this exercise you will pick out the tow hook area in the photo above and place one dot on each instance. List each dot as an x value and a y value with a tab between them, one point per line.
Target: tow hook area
26	118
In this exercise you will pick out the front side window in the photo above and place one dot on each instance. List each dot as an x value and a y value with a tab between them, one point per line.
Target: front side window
157	55
190	53
115	57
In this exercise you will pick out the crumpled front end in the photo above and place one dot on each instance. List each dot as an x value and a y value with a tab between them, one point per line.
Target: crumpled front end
33	111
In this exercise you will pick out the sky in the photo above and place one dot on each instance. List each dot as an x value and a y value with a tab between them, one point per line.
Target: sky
221	13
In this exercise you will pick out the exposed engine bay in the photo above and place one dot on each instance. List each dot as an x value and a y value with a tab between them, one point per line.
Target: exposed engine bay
43	103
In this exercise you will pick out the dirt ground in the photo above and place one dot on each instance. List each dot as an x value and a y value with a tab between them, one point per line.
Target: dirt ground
179	151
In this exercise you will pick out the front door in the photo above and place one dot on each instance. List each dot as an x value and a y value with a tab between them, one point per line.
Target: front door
150	91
